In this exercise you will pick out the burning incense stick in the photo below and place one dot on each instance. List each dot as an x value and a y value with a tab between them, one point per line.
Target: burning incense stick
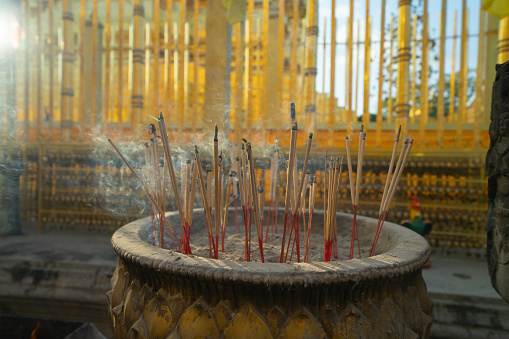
299	194
312	195
252	176
169	163
405	151
288	188
217	206
147	189
225	216
208	217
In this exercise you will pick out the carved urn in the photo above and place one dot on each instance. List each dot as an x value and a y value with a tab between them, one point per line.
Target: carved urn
158	293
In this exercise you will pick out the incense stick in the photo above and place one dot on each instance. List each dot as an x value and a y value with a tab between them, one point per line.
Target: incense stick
145	187
256	209
299	193
405	151
217	206
288	188
208	217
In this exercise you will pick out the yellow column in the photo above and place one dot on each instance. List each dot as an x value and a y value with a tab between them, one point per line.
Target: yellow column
391	51
312	39
462	95
453	72
213	109
379	119
38	58
403	59
26	71
414	67
155	90
367	63
441	82
67	91
120	82
280	62
138	57
503	40
181	92
107	34
94	65
350	63
332	102
51	88
479	88
423	118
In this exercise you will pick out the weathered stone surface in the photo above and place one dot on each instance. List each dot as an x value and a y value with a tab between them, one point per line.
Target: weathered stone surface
497	163
175	296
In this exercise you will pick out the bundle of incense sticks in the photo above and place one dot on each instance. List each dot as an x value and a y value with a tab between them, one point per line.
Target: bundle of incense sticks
391	184
298	196
354	191
312	195
333	172
153	177
272	212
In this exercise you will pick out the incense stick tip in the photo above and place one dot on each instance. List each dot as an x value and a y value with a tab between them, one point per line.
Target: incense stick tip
310	135
362	128
292	110
399	132
195	149
245	141
215	133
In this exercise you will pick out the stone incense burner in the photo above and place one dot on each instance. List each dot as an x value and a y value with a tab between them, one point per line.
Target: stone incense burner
157	293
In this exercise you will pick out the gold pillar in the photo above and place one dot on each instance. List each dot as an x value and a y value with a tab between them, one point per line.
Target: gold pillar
181	93
391	51
94	65
148	68
196	60
155	91
271	90
462	93
492	26
424	106
38	58
51	75
310	74
106	117
332	102
26	71
120	62
453	72
249	60
414	67
356	86
67	91
403	59
479	88
350	62
81	109
503	40
280	62
367	63
136	81
168	79
239	63
441	82
213	109
379	119
293	56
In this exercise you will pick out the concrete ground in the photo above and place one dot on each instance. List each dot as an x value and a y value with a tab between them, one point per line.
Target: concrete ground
65	275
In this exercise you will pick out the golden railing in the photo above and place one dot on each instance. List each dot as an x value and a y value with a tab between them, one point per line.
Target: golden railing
88	65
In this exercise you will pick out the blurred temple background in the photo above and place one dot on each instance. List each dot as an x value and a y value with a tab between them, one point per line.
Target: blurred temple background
76	71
